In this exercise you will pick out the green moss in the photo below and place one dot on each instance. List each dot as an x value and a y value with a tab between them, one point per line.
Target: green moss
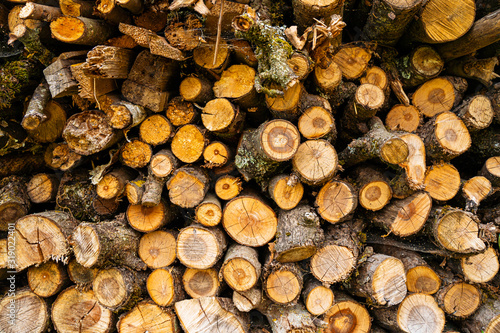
15	77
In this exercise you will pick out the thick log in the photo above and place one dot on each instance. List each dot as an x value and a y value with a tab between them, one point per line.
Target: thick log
476	112
41	237
317	123
30	312
163	163
286	191
118	287
146	219
188	143
347	315
336	259
458	299
249	221
196	89
336	201
200	247
157	248
439	94
299	234
181	112
237	84
241	267
482	70
14	200
136	154
201	282
96	244
42	187
80	30
149	317
353	60
315	162
187	186
204	55
421	65
47	279
84	305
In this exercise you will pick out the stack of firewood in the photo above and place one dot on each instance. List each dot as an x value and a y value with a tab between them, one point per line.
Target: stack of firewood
290	166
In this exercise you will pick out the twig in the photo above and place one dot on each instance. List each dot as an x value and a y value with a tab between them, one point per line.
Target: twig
219	28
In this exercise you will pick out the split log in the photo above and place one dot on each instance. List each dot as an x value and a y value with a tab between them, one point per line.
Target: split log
80	30
84	305
118	288
315	162
241	267
196	89
474	191
455	230
414	166
228	187
246	301
403	118
286	191
108	62
222	118
58	74
439	94
442	21
42	187
216	154
298	234
24	311
378	142
149	317
442	181
208	314
381	279
47	279
209	211
88	132
187	186
181	112
164	286
445	136
200	247
405	217
201	282
483	33
336	259
416	311
43	236
14	200
90	88
249	221
157	248
282	282
260	151
80	275
96	244
336	201
347	315
163	163
486	319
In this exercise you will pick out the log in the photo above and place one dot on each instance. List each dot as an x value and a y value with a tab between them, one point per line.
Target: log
381	279
237	84
347	314
317	298
136	154
403	118
42	187
55	226
108	62
455	230
112	185
125	115
45	124
442	181
84	306
405	217
14	200
474	191
438	95
187	186
491	170
403	319
336	259
188	143
76	8
153	188
164	286
445	136
147	219
196	89
209	211
300	63
305	11
353	60
96	244
58	74
80	30
157	248
282	282
60	157
47	279
458	299
414	166
81	276
260	151
421	65
201	282
298	234
184	34
336	201
482	33
328	79
181	112
88	132
241	267
486	319
315	162
286	106
30	313
482	70
284	319
118	287
216	154
317	123
228	187
149	317
222	118
476	112
208	314
200	247
246	301
481	267
374	192
249	221
204	55
286	191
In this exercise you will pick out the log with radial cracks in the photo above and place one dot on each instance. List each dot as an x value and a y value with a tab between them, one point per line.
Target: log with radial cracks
42	187
317	298
217	154
42	236
209	314
157	248
241	268
148	317
187	186
31	313
442	181
336	201
47	279
315	162
96	244
86	313
164	286
282	282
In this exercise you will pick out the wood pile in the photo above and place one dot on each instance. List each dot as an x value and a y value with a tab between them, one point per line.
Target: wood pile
254	166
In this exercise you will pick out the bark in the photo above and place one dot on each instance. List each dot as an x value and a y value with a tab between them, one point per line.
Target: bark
482	70
80	30
58	74
14	200
421	65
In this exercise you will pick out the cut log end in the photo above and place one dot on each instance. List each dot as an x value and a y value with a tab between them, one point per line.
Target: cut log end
420	311
317	123
286	192
157	248
481	267
403	118
279	140
199	247
32	314
422	279
201	282
347	316
442	181
316	161
336	200
333	263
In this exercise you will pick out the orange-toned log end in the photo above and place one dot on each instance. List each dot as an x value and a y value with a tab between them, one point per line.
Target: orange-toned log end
67	29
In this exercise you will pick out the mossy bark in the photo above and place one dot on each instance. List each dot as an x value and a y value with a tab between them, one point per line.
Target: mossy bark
16	77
